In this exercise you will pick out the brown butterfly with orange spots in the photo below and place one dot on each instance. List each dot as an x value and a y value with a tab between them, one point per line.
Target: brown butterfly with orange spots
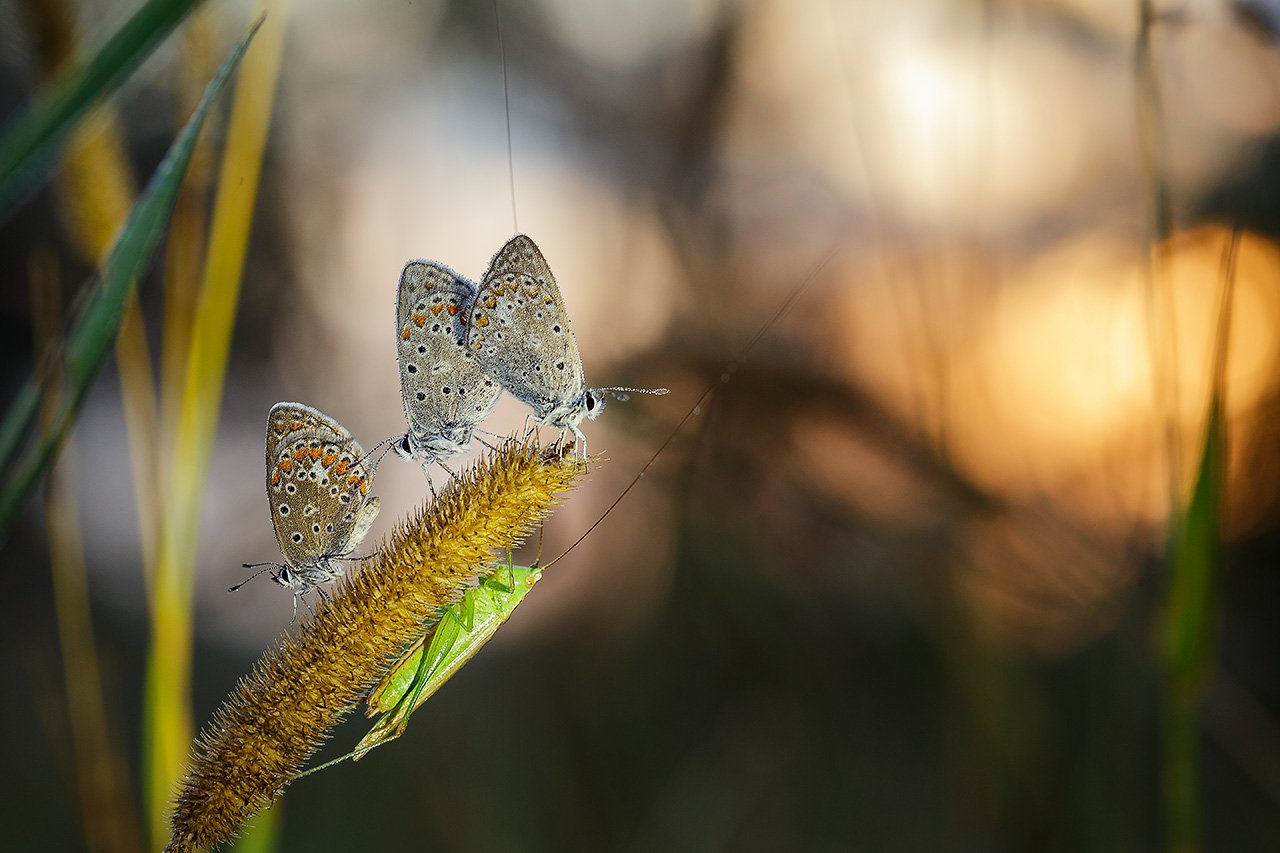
318	480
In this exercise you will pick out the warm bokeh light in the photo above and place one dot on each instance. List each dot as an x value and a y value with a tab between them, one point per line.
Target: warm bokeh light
1045	384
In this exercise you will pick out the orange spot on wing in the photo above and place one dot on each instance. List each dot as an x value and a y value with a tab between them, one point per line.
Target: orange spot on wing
419	320
300	454
452	309
491	302
315	452
275	477
341	468
328	458
482	320
435	309
404	333
286	465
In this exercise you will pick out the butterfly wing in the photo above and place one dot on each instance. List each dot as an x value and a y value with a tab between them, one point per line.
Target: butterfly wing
443	387
520	331
317	485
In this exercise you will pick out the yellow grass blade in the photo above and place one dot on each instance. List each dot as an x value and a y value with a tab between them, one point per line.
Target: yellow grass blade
167	703
184	253
107	813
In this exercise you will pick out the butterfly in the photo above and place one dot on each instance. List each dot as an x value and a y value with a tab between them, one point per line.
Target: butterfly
446	393
318	481
520	334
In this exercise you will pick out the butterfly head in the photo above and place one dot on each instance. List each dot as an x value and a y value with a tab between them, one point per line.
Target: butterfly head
443	445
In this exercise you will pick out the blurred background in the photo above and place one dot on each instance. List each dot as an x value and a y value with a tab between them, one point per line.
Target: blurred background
956	274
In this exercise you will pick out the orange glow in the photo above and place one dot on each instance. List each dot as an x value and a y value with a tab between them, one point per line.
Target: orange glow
1048	383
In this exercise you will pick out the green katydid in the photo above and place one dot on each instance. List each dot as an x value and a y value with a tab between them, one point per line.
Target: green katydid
462	631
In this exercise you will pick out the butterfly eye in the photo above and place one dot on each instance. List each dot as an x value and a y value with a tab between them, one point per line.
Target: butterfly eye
591	402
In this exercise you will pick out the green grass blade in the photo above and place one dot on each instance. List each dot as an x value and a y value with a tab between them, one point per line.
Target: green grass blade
17	421
95	328
1194	596
1190	633
1195	557
33	140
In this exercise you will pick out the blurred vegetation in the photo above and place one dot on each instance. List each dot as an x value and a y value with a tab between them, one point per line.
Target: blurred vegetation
974	550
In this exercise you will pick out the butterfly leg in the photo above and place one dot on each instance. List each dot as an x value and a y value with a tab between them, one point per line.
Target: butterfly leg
426	469
305	587
577	432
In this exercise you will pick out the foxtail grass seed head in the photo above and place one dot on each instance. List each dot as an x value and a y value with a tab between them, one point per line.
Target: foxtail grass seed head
283	710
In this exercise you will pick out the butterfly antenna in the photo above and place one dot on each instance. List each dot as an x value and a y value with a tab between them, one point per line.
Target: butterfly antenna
620	392
269	567
389	444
